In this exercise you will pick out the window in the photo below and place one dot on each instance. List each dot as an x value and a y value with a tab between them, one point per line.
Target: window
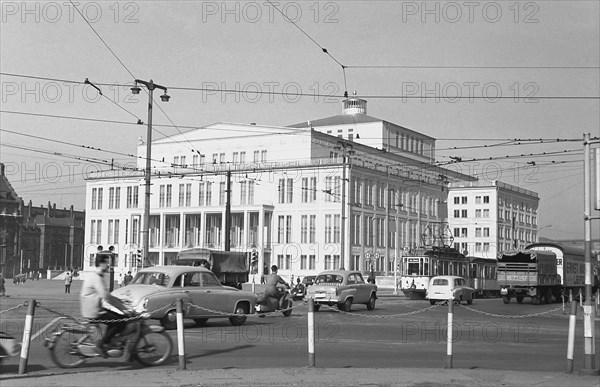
303	262
256	157
288	229
222	189
188	194
486	213
486	231
463	213
463	232
263	156
111	198
478	232
328	229
280	228
477	199
181	195
304	229
463	200
478	213
161	196
312	229
169	195
312	260
281	189
290	190
251	192
457	213
486	199
456	232
456	200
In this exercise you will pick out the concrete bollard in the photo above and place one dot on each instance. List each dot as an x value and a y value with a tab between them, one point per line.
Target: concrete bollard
571	337
180	338
449	338
26	337
311	332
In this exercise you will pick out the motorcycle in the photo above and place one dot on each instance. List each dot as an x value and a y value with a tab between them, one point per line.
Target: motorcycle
298	292
9	346
266	304
72	344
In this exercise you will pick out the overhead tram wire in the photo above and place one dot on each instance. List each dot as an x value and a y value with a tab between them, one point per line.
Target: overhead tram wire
130	73
312	95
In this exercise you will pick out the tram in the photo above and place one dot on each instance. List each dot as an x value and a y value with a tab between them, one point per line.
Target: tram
420	265
482	276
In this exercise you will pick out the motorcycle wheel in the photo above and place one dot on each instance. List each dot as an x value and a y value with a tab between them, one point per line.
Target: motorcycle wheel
153	348
64	352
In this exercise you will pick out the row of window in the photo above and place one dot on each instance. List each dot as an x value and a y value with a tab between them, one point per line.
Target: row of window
114	197
180	161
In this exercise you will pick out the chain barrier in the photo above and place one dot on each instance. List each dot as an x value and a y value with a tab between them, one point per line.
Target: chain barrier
258	314
26	303
511	316
332	308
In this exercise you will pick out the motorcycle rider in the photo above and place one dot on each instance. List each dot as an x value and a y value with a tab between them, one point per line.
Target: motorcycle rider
93	291
272	280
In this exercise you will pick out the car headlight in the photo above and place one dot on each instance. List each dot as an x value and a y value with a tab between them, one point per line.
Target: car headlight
141	306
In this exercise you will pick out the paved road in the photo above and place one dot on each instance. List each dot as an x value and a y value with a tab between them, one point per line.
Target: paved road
399	333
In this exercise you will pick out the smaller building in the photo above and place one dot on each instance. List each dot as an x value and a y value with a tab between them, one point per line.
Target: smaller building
487	217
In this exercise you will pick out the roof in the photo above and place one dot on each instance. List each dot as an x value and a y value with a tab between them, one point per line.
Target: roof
572	250
340	119
174	270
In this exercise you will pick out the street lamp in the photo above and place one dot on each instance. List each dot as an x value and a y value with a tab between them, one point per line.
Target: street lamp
147	173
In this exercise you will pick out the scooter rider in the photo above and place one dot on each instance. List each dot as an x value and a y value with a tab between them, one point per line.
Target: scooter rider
272	280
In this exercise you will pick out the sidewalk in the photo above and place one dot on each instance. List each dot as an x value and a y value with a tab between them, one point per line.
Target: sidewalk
302	377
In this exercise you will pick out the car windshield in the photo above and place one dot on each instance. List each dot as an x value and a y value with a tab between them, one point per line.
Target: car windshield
329	279
440	281
151	278
197	279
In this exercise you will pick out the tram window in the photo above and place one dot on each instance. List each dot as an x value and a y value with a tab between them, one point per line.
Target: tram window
413	268
420	266
473	271
426	268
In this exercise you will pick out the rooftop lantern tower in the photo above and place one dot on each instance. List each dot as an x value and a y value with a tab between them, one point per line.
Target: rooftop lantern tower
354	105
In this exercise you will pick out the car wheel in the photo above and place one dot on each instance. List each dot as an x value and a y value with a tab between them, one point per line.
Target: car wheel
432	302
470	300
346	306
317	307
371	303
239	320
506	299
170	320
200	321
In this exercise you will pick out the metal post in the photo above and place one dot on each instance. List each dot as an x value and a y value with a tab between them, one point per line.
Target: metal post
343	225
311	332
449	339
26	337
147	176
180	338
228	213
571	337
395	275
588	315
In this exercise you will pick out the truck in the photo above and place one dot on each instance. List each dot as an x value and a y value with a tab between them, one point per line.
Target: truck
230	267
528	273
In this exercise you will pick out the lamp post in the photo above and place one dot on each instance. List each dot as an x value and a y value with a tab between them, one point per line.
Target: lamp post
147	173
347	150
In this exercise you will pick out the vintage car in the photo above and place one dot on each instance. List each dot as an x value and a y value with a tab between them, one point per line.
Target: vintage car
155	290
445	287
342	288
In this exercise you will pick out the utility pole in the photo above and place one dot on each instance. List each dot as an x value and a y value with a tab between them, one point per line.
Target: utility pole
588	306
147	173
228	213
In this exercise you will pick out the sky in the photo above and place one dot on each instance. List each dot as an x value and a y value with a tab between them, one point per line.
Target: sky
482	77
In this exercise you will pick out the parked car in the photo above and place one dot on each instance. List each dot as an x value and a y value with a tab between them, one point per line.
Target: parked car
156	289
444	287
342	288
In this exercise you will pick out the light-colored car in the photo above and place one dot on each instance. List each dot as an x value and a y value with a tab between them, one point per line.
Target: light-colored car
342	288
444	287
156	289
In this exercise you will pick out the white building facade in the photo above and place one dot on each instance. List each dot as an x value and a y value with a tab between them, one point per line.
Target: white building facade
489	217
346	191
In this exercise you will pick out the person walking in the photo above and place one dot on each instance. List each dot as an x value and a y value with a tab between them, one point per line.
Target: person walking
2	287
68	280
127	279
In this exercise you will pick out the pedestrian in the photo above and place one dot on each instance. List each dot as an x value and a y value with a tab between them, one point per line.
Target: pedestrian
2	287
120	280
127	279
68	280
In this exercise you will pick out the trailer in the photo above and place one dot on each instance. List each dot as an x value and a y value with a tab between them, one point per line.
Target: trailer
528	273
230	267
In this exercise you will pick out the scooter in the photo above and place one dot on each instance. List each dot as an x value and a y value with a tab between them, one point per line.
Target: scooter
9	346
267	304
